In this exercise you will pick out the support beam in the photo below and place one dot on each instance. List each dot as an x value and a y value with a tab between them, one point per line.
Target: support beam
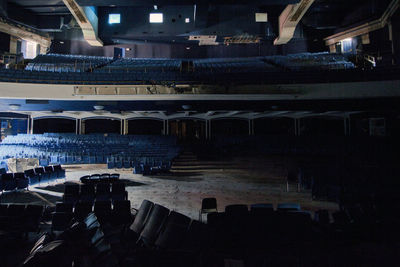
26	33
87	20
366	27
289	19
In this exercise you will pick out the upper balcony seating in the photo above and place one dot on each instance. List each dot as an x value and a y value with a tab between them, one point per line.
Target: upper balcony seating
312	61
142	65
66	63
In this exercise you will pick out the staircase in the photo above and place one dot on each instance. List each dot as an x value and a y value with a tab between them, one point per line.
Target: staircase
188	161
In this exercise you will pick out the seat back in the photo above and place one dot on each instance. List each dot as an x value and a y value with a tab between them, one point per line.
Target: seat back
118	188
174	231
39	170
87	189
141	216
156	219
103	189
64	207
288	207
72	189
209	204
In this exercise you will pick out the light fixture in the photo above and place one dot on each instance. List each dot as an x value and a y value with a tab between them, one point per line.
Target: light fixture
98	107
156	18
155	7
187	20
186	107
14	106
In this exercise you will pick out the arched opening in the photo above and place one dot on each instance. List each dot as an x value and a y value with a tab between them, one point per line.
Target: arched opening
188	129
145	126
54	125
274	126
101	126
315	126
229	127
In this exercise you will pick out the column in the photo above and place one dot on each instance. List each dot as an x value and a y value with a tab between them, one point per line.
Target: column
207	122
32	126
167	128
81	127
125	126
76	126
121	130
28	124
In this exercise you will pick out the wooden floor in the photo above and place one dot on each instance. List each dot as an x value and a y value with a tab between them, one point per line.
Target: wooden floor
236	181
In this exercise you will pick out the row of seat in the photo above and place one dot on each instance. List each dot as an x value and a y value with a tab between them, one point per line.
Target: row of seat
20	218
100	178
89	192
155	226
13	181
91	149
82	243
44	174
116	213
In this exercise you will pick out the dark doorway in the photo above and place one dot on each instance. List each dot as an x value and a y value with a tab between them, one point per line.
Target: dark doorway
322	126
274	126
188	130
229	127
102	126
54	125
145	126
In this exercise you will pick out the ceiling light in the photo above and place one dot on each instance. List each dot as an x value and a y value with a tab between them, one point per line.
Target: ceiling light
14	106
156	18
187	20
155	7
98	107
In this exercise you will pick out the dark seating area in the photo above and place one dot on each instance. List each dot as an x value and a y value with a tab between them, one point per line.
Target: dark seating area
157	236
13	181
20	218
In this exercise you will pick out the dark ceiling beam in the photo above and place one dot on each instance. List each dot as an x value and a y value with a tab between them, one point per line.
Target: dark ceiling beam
41	6
289	19
183	2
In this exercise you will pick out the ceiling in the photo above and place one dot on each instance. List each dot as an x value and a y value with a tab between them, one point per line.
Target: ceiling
43	7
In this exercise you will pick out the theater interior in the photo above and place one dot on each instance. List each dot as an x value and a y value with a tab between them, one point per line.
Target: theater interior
199	133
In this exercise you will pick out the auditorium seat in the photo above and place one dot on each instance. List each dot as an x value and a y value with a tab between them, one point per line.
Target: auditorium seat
141	218
8	181
103	192
154	224
102	210
32	217
61	221
118	191
21	180
121	213
71	193
288	207
64	207
82	209
87	193
173	232
207	205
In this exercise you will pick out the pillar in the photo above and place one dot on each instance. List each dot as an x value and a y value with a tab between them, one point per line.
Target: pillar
207	122
209	129
76	126
121	129
167	127
297	127
28	124
32	126
125	126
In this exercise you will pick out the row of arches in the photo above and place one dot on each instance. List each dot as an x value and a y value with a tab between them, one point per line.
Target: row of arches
192	128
